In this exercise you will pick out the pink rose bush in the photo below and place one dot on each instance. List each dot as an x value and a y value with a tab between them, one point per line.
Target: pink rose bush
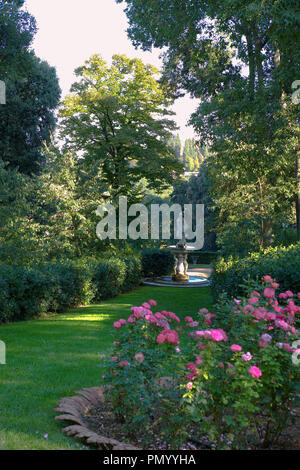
231	370
146	348
247	382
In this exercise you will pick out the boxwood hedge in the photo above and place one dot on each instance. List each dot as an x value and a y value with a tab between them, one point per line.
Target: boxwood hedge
282	263
29	291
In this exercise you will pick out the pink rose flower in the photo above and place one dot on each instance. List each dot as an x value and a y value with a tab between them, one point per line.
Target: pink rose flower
139	357
172	337
255	372
247	357
117	325
283	325
269	292
218	335
235	348
160	338
123	363
289	293
152	302
189	385
267	278
199	360
191	366
275	285
188	319
282	295
266	338
131	319
203	311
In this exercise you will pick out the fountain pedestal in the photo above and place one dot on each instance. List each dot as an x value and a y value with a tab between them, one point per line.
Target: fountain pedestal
180	267
180	252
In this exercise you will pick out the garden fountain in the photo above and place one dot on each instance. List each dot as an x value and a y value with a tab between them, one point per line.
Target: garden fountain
181	276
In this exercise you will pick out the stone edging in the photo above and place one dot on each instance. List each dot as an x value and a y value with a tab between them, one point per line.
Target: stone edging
74	407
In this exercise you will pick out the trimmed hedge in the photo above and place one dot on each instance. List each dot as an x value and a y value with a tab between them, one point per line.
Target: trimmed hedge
157	263
203	257
282	263
27	292
108	278
133	273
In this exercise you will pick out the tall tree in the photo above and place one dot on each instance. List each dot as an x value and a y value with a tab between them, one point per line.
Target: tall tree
195	190
175	143
117	117
32	92
192	155
240	58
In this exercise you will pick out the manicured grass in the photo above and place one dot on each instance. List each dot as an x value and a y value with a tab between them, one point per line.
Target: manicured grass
50	358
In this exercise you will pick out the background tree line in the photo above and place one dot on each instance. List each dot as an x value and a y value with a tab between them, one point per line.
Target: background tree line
117	136
240	59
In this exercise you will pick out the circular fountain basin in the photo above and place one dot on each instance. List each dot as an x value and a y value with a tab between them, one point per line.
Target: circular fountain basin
167	281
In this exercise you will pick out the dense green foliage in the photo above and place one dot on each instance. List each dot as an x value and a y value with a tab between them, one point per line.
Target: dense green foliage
27	292
196	191
189	153
157	263
203	257
240	59
245	383
232	275
118	117
192	155
32	92
231	376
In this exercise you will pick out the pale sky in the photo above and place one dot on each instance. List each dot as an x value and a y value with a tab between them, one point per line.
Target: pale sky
70	31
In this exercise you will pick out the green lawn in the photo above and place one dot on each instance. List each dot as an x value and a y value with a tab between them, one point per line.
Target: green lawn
50	358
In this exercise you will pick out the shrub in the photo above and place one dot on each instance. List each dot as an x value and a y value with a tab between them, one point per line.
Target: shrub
108	277
237	374
203	257
232	275
133	273
71	284
8	306
247	382
145	346
26	293
29	291
156	263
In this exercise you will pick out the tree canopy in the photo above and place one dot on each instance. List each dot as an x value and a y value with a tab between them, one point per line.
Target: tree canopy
240	59
32	92
118	117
